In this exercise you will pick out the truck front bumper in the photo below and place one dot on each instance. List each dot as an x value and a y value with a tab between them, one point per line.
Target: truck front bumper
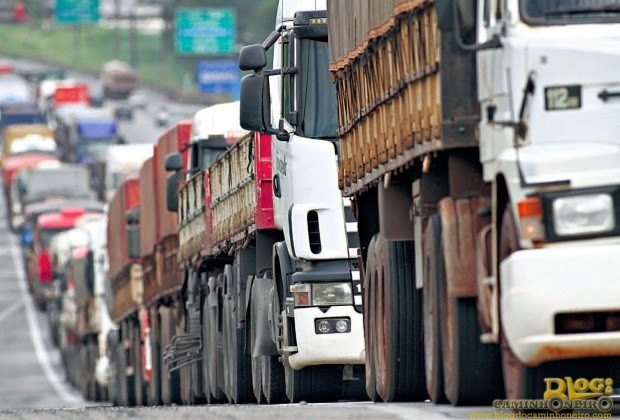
536	285
327	349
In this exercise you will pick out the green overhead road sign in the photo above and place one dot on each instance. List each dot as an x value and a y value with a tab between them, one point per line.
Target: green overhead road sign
77	11
209	31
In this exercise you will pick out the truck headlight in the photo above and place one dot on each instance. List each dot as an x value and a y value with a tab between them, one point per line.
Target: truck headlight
583	214
328	294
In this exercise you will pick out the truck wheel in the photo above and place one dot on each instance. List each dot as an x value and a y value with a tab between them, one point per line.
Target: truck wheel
399	359
126	385
257	383
369	305
84	372
95	390
434	278
257	386
137	363
113	381
153	391
170	392
209	357
237	364
272	375
313	383
471	369
520	381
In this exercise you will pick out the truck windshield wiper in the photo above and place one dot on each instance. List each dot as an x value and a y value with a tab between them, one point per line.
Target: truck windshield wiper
608	8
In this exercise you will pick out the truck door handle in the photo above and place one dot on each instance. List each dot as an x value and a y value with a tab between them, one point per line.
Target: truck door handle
276	186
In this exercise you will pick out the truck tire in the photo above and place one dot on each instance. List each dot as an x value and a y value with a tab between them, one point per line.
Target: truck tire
257	383
88	385
399	357
170	392
138	367
272	377
153	391
369	305
471	369
434	280
237	364
213	393
126	397
313	383
112	388
267	371
84	372
96	391
520	381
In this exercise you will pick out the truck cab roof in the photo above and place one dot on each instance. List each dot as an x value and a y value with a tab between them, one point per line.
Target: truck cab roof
216	120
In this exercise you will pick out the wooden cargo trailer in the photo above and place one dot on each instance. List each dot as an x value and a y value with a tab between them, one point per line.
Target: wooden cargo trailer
408	117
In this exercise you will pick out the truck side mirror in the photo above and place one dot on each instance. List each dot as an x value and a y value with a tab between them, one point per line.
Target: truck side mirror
133	241
172	186
173	162
255	103
252	57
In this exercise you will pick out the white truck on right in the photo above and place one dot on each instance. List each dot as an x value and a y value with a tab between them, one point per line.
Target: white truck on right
480	147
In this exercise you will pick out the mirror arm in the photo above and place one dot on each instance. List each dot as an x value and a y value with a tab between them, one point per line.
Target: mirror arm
276	72
272	38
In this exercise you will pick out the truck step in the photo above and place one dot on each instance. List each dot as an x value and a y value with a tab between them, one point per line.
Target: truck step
183	350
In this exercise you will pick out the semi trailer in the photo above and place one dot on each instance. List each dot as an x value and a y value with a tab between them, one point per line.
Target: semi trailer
477	150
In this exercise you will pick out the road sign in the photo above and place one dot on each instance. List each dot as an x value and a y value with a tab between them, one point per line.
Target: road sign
205	31
77	11
219	77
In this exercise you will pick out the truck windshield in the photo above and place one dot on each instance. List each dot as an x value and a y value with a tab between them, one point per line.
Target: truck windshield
96	147
46	235
553	12
317	106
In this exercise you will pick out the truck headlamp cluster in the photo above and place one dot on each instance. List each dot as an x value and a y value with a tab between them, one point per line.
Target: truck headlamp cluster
322	294
332	325
583	214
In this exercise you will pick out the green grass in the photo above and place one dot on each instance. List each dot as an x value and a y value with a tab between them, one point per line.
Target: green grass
87	48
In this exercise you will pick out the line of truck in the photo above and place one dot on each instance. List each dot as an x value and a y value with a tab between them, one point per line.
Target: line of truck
423	207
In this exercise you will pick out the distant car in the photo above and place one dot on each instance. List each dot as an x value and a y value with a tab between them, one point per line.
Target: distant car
161	120
124	111
137	99
168	116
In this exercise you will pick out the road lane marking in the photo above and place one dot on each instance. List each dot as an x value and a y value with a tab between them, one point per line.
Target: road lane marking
8	311
35	333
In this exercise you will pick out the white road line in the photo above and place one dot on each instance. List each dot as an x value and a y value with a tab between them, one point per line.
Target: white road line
8	311
35	333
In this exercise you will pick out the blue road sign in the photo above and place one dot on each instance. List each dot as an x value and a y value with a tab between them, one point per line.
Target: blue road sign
219	77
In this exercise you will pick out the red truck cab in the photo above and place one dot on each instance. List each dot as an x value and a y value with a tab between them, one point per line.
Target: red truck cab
40	272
